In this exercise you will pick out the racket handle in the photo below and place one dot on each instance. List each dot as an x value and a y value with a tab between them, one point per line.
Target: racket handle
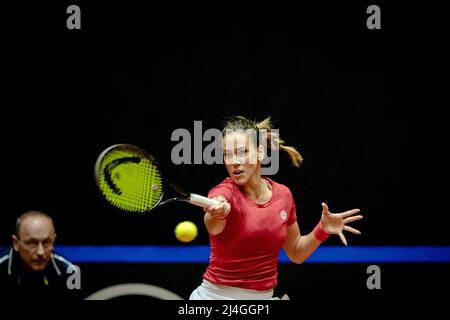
202	201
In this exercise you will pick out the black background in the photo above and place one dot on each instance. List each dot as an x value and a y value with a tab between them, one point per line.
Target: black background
359	104
356	102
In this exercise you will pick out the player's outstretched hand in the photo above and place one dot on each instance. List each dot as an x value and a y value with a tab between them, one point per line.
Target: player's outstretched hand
336	223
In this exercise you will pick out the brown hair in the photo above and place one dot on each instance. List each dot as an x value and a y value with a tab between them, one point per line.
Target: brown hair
271	138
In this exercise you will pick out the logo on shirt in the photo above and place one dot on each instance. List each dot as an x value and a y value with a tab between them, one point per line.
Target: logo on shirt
283	215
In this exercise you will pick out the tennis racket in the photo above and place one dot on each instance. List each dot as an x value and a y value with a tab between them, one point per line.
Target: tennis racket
130	179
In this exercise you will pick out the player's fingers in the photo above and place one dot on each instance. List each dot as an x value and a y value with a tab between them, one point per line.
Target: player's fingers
220	206
354	218
209	209
218	210
325	209
220	199
352	230
341	235
224	209
212	210
348	213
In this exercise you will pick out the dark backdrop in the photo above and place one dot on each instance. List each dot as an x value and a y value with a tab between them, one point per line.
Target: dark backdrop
359	104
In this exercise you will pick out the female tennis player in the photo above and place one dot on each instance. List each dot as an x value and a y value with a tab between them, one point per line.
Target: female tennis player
256	217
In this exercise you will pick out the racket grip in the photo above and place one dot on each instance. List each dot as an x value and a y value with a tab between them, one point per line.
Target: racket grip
202	201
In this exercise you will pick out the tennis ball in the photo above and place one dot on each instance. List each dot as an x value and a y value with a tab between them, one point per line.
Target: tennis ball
186	231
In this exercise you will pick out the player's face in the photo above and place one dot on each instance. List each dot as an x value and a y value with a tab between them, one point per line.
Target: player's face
35	242
241	157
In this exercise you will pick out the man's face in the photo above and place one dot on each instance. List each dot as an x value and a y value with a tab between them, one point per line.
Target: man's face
35	242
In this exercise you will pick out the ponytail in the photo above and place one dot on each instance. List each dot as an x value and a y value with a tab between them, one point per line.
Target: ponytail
276	143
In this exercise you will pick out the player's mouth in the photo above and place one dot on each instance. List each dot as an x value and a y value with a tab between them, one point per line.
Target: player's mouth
238	173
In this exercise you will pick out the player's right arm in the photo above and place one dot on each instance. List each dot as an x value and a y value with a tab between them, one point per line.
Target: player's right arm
216	217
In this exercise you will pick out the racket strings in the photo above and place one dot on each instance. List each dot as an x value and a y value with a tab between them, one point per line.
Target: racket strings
130	181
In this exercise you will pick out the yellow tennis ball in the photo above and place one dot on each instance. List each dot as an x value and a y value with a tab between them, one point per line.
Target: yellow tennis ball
186	231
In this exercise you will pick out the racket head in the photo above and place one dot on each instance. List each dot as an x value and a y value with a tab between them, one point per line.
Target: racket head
129	178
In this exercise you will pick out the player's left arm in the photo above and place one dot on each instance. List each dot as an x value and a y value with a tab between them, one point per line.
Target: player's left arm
298	248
